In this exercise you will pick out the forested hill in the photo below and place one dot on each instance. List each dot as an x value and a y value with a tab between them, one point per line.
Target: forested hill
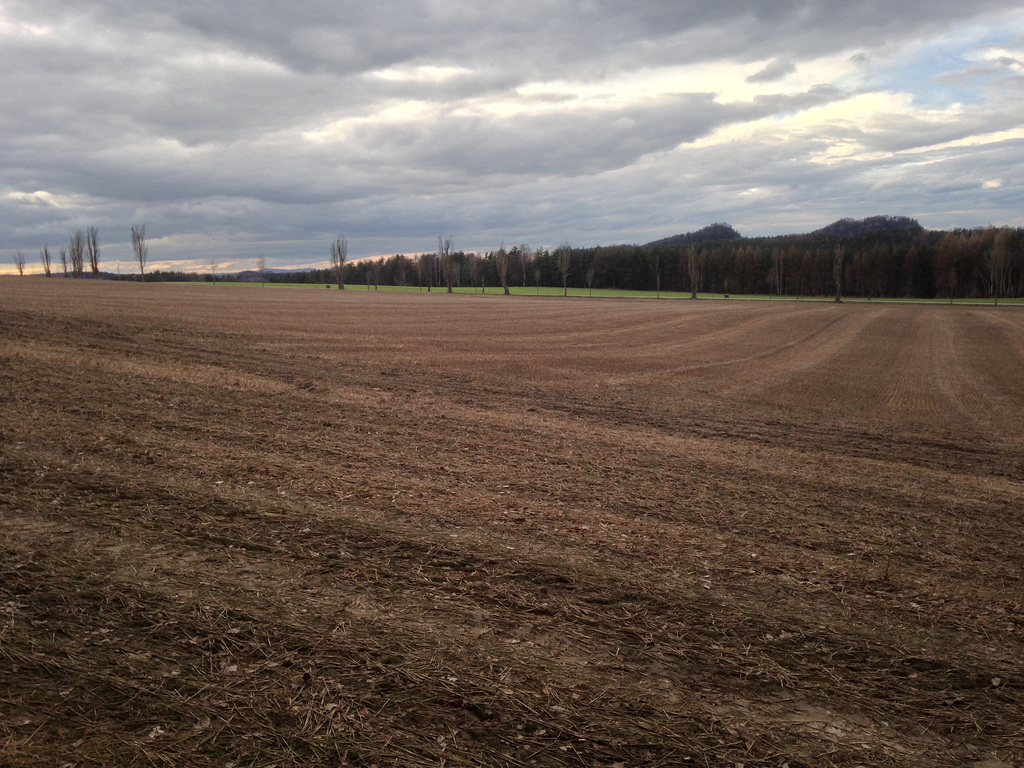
707	234
841	228
870	225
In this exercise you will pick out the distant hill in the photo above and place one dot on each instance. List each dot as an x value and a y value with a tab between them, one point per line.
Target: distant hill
711	232
854	227
841	228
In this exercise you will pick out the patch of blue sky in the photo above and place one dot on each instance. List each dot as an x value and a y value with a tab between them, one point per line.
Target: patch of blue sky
935	78
952	69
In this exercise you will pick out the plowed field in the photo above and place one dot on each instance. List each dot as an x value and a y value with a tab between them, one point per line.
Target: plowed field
262	527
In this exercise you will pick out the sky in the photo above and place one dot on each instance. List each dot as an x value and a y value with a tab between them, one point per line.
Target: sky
236	130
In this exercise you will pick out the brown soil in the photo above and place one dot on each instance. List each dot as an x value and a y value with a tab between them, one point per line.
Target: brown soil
262	527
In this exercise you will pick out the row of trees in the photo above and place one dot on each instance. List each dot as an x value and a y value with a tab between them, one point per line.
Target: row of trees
83	247
907	262
903	261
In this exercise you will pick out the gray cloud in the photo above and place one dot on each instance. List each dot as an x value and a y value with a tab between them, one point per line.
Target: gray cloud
776	70
197	117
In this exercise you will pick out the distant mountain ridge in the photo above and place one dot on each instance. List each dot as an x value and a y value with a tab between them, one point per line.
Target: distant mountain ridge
841	228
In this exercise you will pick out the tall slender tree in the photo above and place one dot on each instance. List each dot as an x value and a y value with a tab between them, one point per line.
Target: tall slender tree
501	259
375	266
92	246
339	255
76	249
476	272
525	258
446	258
589	276
44	257
19	262
140	248
779	263
997	264
694	267
563	258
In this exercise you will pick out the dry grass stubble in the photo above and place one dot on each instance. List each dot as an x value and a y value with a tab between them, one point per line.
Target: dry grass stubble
274	527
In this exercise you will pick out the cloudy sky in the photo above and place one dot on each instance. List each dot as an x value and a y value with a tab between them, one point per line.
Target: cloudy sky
237	129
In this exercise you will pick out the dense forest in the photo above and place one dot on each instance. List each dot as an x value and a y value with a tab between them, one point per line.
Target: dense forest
878	257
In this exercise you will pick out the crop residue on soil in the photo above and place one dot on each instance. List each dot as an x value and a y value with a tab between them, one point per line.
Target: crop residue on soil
283	527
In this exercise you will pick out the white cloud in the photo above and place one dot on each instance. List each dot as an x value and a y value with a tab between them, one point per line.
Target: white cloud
35	198
423	74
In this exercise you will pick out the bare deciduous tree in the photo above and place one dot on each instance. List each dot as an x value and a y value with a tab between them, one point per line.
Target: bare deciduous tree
19	262
779	260
213	268
476	273
998	264
375	273
694	266
446	258
139	247
63	253
563	258
76	249
501	264
589	276
525	259
44	257
92	246
339	255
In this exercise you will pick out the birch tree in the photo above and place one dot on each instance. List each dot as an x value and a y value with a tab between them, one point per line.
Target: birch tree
563	258
997	264
694	264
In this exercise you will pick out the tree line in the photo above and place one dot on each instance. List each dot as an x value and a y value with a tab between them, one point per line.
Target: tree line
83	246
877	258
906	262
